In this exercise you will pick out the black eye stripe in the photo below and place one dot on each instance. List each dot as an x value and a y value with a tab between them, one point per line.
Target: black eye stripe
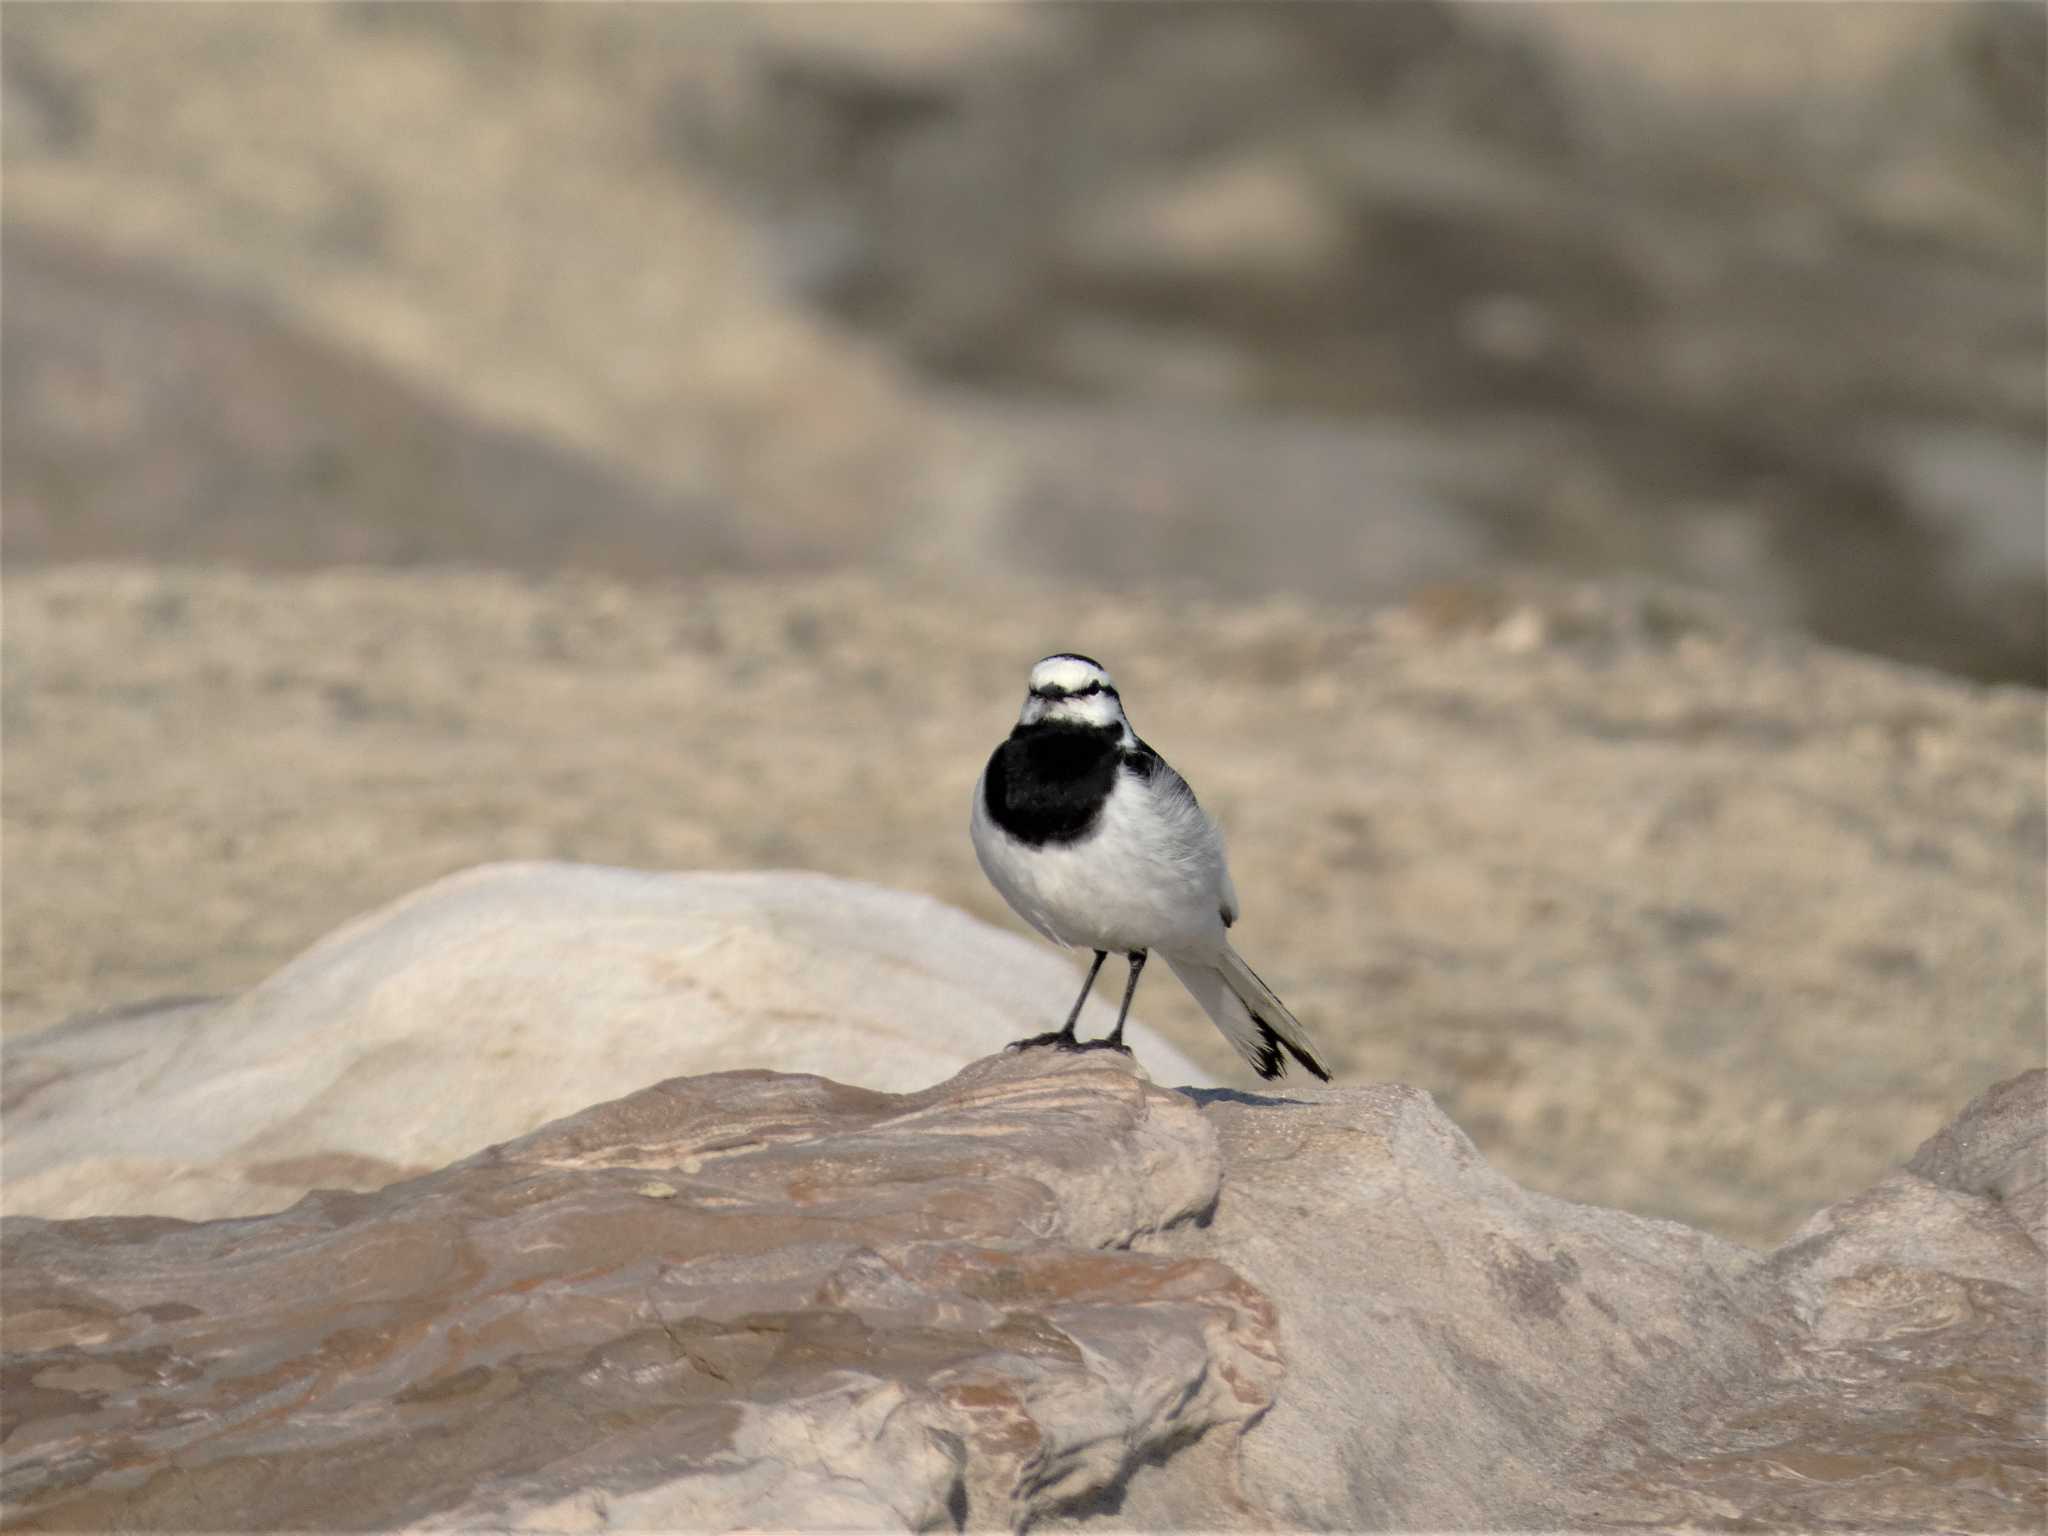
1053	693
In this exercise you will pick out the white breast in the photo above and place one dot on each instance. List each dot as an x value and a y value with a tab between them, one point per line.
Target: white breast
1151	875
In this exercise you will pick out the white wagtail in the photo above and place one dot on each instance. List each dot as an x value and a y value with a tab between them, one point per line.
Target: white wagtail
1095	842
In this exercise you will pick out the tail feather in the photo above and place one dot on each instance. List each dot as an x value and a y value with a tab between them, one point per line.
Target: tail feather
1250	1016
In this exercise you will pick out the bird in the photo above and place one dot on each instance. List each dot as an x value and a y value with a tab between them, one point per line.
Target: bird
1098	844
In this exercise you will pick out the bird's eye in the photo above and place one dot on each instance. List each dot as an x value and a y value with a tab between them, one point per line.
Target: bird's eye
1092	688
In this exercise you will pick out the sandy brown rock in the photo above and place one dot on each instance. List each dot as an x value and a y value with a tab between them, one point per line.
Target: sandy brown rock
1464	1354
737	1299
1044	1292
1914	1396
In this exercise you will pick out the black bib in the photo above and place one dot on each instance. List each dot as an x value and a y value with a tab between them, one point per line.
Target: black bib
1048	782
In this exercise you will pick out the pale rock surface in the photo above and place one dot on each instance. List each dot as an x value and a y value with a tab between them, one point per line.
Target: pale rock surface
1464	1353
1044	1293
498	999
1994	1152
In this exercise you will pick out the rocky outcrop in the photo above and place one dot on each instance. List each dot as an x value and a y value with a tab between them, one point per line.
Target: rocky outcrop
735	1299
1462	1353
493	1001
1044	1292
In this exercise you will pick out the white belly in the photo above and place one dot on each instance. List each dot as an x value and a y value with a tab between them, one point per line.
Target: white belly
1140	879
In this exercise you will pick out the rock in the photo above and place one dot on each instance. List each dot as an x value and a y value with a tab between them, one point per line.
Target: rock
742	1299
1120	493
650	384
1681	250
219	429
1043	1293
1460	1331
502	998
1994	1149
1498	1358
1258	225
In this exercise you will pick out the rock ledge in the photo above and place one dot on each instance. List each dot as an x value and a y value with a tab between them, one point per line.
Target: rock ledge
1045	1290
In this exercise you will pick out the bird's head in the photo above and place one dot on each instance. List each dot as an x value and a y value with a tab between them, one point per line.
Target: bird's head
1073	690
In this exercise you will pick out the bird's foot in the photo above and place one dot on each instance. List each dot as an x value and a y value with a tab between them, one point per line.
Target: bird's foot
1059	1039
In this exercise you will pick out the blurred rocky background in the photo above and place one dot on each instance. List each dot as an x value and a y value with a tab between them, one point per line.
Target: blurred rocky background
1336	299
796	374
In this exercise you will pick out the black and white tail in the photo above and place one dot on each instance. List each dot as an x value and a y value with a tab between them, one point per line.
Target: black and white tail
1250	1016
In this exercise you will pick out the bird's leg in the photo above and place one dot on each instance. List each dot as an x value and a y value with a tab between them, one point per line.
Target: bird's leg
1074	1017
1064	1037
1115	1038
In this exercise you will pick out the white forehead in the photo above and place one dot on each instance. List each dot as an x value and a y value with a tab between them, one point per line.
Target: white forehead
1070	674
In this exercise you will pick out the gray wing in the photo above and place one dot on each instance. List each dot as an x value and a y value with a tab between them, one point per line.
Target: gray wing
1174	793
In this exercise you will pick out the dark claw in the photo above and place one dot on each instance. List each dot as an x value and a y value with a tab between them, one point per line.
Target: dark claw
1059	1039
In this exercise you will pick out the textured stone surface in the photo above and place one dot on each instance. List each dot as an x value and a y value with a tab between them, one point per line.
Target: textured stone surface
1044	1292
1463	1353
496	1000
1990	1151
737	1299
1668	914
